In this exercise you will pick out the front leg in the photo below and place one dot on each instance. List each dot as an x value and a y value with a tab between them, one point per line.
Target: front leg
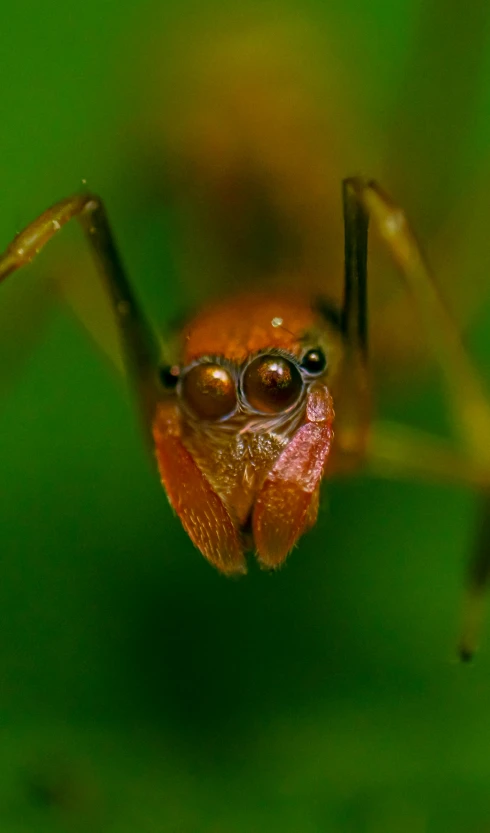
203	514
289	496
466	395
140	347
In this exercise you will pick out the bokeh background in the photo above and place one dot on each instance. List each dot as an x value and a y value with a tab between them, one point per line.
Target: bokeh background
139	690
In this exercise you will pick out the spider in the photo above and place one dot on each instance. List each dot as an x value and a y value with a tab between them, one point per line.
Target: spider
263	396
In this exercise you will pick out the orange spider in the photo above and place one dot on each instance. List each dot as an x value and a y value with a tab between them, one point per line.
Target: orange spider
241	411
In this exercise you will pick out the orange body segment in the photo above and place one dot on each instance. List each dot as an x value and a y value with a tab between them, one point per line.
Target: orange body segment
238	327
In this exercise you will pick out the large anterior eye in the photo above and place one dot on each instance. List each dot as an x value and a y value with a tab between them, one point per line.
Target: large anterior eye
209	390
272	384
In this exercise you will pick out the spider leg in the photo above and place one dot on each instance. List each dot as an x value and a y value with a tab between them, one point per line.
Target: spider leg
139	345
466	396
352	399
395	450
465	393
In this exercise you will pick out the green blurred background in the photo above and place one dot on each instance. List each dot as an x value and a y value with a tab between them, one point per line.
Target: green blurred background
139	690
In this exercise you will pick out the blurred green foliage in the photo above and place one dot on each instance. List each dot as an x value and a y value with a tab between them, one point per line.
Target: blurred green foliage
139	690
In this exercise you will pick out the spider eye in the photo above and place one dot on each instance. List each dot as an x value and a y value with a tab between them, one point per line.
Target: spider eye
209	390
314	361
272	384
169	376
